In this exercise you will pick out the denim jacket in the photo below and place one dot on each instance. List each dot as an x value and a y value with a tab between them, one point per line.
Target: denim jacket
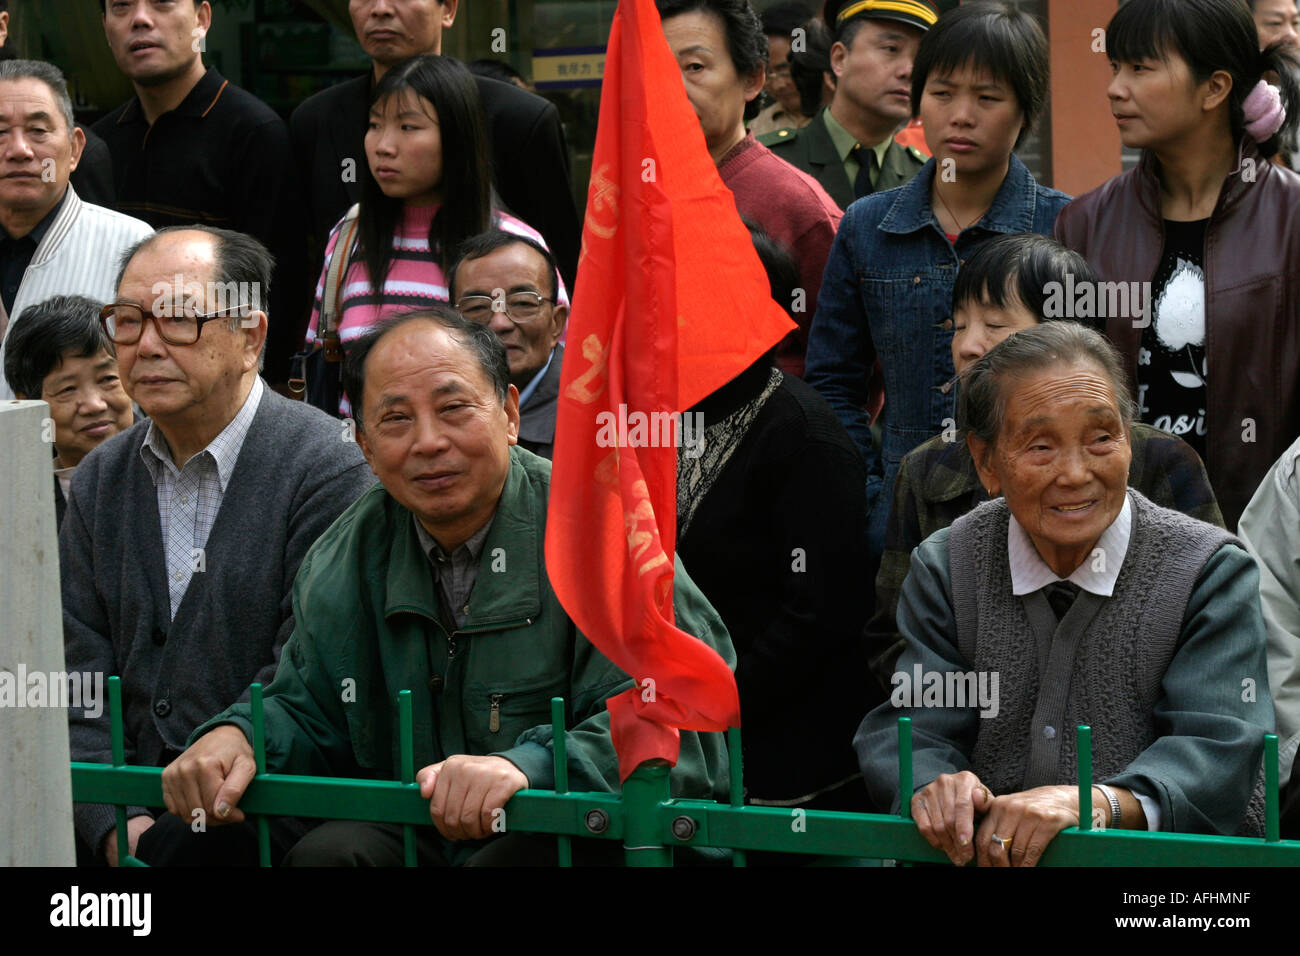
887	292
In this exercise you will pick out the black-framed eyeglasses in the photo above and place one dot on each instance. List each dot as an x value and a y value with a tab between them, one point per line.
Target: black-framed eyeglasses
123	323
519	307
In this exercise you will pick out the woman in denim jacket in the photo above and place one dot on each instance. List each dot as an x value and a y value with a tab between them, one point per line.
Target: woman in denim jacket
979	82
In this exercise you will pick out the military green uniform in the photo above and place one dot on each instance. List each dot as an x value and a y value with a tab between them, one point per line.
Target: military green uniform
814	150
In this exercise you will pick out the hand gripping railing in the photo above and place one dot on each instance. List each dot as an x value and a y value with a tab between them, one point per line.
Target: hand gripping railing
650	823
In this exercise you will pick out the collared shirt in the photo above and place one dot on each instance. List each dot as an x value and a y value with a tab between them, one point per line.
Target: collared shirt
457	572
16	254
531	387
1098	572
189	498
1097	575
844	143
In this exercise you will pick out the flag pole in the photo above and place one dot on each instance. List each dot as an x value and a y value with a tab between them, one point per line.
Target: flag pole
645	789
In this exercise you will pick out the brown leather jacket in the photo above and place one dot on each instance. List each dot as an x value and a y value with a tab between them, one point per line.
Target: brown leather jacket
1252	309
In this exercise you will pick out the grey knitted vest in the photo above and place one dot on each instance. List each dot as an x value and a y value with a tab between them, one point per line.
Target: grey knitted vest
1121	651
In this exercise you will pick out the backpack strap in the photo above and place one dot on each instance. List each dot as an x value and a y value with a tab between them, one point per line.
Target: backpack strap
334	277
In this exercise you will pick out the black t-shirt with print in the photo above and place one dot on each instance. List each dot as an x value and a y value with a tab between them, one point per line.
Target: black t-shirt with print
1171	361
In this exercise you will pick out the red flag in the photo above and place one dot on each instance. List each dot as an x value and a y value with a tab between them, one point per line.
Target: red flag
671	302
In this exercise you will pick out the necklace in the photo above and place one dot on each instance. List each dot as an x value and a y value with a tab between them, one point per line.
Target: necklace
960	227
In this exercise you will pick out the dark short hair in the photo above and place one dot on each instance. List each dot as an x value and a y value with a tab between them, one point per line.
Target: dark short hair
1019	268
782	19
746	41
1208	35
809	66
495	70
44	334
982	399
478	340
782	272
486	243
989	36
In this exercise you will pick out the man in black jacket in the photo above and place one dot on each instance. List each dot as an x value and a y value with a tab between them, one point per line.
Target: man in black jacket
528	152
191	147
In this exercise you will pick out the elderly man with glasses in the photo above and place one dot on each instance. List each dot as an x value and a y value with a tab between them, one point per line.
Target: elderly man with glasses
184	533
508	283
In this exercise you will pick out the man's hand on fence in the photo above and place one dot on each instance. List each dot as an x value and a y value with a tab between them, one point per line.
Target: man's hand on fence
463	792
212	775
134	827
945	812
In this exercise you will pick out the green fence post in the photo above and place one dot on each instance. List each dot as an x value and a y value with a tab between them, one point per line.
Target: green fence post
905	767
560	754
1083	738
259	755
406	741
1272	826
643	791
119	760
736	783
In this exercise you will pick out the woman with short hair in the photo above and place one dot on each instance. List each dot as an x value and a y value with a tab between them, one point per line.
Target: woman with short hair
1090	605
979	83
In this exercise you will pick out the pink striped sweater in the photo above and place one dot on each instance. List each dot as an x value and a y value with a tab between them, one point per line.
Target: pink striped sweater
415	279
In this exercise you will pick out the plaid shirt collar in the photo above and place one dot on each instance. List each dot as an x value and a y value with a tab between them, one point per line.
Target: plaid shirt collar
224	449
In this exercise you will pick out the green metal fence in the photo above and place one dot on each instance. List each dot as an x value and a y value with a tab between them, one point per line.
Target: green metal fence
651	824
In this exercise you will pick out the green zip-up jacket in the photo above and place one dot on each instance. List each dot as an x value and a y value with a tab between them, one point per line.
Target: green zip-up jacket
368	625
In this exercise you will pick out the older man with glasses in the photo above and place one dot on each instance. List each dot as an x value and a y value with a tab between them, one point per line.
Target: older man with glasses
508	282
184	533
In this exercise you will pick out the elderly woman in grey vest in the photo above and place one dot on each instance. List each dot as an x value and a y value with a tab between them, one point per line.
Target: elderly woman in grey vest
1069	599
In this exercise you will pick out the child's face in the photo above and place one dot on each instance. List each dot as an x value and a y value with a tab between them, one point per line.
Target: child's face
87	403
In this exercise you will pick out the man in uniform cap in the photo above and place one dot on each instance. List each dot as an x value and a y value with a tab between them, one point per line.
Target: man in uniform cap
849	147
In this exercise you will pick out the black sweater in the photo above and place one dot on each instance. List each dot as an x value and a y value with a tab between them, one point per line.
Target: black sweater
778	547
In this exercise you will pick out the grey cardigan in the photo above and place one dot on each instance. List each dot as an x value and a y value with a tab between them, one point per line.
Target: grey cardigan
295	474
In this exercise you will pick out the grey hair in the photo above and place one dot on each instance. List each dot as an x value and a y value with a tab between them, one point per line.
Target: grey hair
242	262
47	73
982	400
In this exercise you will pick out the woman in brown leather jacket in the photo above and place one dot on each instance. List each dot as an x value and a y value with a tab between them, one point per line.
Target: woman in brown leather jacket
1205	234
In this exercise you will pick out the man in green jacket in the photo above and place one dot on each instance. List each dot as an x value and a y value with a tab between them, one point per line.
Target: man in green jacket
849	146
435	582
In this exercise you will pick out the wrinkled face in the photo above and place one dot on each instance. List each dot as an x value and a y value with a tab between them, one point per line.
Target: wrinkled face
87	403
499	274
155	41
1061	459
1278	21
978	326
177	383
391	31
37	155
970	118
717	93
1155	101
434	431
874	74
404	148
780	86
